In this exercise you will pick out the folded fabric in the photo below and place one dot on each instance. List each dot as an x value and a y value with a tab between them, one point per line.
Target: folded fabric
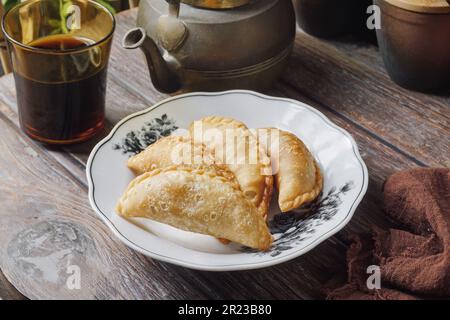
414	258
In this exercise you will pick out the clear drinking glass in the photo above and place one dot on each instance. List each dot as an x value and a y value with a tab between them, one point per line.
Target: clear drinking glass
59	51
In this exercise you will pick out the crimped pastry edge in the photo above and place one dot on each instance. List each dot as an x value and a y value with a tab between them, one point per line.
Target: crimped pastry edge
220	120
173	140
222	173
305	197
263	207
218	171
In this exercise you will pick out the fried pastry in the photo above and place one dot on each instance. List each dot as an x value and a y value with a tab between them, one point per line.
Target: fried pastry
200	199
298	177
169	151
235	146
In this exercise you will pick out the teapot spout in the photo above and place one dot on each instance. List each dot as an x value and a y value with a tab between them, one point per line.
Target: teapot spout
164	77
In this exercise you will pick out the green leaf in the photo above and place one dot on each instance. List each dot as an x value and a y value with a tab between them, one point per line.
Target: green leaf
8	4
62	6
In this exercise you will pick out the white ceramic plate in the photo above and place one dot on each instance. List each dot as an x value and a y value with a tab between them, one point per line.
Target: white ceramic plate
345	179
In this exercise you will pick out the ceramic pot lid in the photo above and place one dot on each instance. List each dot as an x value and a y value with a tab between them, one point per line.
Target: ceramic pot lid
217	4
423	6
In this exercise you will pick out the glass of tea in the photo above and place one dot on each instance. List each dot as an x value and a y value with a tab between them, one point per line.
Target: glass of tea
59	52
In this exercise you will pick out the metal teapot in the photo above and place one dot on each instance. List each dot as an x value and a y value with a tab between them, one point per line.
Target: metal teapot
214	45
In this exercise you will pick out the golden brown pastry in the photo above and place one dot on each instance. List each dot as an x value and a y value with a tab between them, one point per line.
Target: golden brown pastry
199	199
298	177
235	146
169	151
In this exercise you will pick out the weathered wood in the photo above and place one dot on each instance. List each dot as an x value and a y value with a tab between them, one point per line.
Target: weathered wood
7	290
358	49
363	52
46	188
117	104
272	278
48	226
414	123
325	256
278	283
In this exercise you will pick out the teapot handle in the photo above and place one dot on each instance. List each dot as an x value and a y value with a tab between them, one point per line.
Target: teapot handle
174	8
172	31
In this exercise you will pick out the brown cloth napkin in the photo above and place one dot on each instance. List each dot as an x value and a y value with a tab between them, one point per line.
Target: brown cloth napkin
414	259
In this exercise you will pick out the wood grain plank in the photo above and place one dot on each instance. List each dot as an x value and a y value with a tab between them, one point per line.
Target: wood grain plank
327	255
118	102
415	124
314	266
358	49
48	225
235	285
7	290
234	280
366	53
119	106
306	274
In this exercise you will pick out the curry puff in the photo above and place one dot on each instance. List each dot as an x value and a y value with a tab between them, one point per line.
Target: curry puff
206	200
298	179
169	151
234	145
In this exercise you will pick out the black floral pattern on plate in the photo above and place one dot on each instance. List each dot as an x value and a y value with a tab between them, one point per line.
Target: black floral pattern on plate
290	229
137	141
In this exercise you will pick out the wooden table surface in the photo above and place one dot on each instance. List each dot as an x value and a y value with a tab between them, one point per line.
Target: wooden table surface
47	223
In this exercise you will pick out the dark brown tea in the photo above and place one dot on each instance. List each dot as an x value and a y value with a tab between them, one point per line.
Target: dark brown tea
61	43
63	111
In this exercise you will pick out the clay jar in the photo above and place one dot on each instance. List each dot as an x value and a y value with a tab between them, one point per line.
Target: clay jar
414	41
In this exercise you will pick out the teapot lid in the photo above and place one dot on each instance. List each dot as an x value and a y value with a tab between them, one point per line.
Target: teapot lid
422	6
216	4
